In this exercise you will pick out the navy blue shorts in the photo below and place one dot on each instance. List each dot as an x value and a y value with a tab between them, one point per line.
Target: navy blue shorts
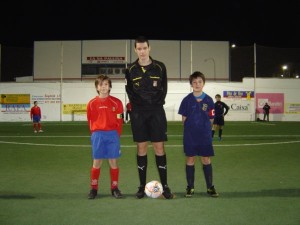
105	145
36	119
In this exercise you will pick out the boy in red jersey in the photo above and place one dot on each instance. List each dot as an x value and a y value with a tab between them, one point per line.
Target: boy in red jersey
35	116
105	120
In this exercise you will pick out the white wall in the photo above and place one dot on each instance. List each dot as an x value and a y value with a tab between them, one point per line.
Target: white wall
53	59
49	97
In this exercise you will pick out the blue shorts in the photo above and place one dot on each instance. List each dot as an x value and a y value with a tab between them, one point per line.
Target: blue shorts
198	150
105	145
36	119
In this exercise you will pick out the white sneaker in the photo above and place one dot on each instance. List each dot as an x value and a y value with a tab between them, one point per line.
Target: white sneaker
35	131
41	131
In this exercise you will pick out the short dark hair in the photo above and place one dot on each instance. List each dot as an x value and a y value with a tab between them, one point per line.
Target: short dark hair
34	102
195	75
100	79
141	39
217	95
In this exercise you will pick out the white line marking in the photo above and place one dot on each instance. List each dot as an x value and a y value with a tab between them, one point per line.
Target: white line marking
129	135
133	146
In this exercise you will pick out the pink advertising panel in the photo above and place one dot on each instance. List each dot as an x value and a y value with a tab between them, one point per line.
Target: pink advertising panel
275	100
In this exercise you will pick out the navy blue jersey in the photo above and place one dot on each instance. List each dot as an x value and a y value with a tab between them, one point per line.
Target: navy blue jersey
221	109
197	140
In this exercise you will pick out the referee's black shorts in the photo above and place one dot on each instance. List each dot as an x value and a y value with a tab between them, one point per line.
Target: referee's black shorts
149	125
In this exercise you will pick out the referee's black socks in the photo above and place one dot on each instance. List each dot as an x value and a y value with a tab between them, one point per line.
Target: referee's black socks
161	163
142	162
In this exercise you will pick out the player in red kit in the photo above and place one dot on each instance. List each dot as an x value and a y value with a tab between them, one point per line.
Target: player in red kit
128	112
105	120
35	116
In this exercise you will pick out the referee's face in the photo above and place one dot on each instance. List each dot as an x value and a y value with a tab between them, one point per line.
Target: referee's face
142	50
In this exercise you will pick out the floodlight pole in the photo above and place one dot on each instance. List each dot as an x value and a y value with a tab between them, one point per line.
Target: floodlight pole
214	64
254	81
126	47
61	78
191	89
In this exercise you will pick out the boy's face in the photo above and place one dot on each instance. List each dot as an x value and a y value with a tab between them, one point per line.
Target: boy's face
218	98
103	87
197	84
142	50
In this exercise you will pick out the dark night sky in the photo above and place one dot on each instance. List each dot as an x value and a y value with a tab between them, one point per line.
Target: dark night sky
244	23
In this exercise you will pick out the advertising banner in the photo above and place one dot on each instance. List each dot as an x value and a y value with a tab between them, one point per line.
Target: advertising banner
275	100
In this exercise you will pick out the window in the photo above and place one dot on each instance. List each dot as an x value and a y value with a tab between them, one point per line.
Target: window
108	69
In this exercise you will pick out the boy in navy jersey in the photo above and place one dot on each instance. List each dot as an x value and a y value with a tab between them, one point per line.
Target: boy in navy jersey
105	120
197	110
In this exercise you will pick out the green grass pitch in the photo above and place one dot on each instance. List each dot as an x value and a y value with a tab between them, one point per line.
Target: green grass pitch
44	178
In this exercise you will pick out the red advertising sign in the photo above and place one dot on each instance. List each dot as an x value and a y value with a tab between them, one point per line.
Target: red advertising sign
275	100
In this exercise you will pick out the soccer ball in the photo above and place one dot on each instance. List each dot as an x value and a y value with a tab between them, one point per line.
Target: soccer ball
153	189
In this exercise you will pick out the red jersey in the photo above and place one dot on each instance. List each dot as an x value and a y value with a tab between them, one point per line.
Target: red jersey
35	111
105	114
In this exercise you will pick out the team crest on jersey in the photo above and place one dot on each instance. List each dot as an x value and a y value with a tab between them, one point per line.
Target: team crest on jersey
204	107
113	109
155	83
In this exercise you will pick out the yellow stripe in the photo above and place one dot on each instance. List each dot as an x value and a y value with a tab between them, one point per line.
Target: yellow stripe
138	78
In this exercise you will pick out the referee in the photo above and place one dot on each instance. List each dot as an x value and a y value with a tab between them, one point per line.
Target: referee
146	87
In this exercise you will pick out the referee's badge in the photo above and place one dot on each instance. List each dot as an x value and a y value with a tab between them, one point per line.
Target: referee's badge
155	83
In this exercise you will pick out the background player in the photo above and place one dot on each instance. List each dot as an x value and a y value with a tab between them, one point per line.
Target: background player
266	110
35	116
128	112
221	109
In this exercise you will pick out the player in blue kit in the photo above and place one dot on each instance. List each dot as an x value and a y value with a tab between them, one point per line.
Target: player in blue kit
221	109
197	110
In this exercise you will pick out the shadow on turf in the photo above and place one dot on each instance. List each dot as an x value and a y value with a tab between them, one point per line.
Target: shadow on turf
262	193
27	196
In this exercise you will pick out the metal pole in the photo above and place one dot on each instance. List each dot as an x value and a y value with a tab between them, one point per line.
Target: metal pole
254	80
61	78
191	89
214	65
191	57
214	68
